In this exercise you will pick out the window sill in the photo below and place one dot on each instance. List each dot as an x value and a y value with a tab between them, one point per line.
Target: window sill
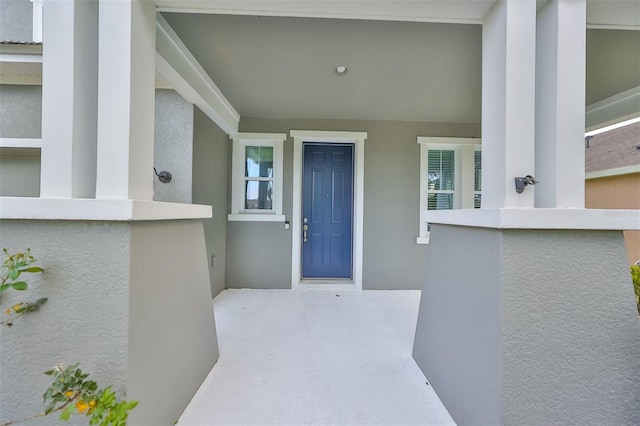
255	217
422	240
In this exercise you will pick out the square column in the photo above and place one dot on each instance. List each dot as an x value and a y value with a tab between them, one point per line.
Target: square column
539	327
560	100
508	102
69	99
126	99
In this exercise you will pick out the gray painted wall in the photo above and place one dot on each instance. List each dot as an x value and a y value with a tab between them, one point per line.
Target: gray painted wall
570	327
457	341
172	334
530	327
21	117
20	110
85	320
391	257
16	20
173	146
134	316
211	150
19	173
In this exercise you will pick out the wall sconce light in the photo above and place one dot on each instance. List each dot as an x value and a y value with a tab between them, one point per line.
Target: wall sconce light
522	182
586	141
163	176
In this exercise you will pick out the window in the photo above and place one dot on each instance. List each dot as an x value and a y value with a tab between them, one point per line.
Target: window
450	176
256	188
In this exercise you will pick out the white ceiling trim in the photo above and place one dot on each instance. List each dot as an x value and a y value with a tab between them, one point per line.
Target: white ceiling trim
458	12
623	106
612	14
184	73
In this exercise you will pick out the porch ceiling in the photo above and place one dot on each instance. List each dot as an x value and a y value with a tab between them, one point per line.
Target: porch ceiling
275	66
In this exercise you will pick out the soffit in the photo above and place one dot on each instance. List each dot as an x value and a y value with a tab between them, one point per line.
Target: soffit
283	67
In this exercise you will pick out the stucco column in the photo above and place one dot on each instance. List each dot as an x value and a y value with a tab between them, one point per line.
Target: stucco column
69	105
126	63
508	102
560	99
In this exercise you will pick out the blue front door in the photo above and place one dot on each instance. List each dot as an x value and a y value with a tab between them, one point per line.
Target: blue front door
327	211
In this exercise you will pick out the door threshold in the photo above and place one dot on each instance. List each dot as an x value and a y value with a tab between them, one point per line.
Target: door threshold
325	284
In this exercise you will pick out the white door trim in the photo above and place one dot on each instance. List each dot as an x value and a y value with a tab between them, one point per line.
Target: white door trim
357	139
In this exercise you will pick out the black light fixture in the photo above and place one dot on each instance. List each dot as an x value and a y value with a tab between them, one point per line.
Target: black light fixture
164	176
586	141
522	182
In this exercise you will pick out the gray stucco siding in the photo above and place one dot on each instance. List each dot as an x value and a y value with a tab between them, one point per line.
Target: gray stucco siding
570	329
530	326
172	343
16	20
124	301
19	174
173	147
85	319
211	159
20	110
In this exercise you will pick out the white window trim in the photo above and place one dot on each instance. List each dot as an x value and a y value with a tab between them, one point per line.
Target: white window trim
464	174
240	141
357	139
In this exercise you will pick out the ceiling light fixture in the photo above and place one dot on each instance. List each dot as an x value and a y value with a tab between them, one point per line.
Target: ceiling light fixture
341	70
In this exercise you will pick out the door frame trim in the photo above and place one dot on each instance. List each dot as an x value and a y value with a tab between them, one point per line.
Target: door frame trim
357	139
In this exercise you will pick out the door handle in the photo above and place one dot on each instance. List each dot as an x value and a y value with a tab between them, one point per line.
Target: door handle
304	229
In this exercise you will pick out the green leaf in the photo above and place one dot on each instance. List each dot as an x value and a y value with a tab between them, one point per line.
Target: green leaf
4	287
130	405
66	413
42	301
50	407
33	269
20	285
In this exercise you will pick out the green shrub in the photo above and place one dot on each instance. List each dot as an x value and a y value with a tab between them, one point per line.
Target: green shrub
635	276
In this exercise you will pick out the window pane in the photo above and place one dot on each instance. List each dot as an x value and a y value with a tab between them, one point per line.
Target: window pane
477	198
259	161
439	201
440	169
477	175
258	195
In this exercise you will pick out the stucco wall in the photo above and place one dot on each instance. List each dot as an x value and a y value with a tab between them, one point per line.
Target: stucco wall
530	327
20	110
391	258
570	329
21	117
16	20
19	173
172	335
85	320
173	146
122	303
458	334
211	149
617	192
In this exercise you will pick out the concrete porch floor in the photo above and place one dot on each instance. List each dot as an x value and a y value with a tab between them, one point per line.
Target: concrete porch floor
315	358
